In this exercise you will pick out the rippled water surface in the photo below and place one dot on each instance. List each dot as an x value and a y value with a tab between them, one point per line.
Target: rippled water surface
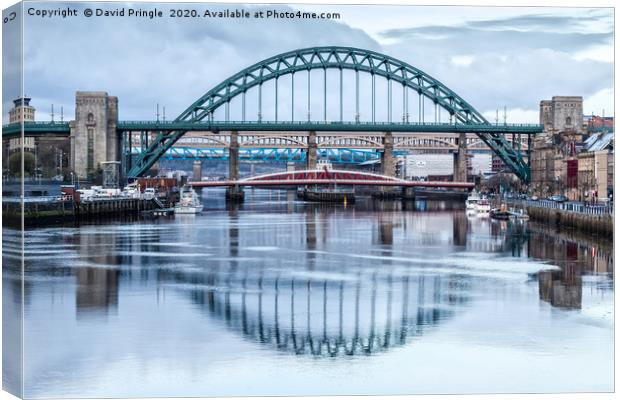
276	297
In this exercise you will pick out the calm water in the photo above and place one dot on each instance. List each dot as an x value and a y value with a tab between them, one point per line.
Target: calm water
288	298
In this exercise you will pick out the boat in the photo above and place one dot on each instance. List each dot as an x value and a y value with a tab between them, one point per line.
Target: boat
328	195
500	213
188	203
483	206
472	200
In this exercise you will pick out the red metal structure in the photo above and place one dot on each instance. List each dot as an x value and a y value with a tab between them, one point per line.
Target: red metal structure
329	177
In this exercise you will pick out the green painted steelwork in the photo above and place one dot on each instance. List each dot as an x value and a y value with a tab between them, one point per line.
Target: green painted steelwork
56	128
461	112
320	126
199	116
47	128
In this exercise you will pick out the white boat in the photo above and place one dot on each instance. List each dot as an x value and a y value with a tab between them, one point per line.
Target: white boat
483	206
188	203
472	200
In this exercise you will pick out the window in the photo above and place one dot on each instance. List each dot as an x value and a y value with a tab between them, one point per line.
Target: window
91	118
90	152
568	121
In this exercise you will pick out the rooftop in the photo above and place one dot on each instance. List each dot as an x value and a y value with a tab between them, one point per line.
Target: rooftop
599	141
18	101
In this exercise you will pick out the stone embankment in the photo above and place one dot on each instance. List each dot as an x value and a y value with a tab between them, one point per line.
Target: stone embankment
598	220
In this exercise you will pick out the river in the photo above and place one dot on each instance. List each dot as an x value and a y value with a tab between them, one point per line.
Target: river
280	297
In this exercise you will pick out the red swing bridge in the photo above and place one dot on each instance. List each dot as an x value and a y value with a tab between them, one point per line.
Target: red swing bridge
329	177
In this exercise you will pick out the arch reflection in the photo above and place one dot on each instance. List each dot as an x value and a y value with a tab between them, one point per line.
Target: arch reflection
365	313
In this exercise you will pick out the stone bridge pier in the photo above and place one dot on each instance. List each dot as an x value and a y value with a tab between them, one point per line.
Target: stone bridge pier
460	160
387	167
387	157
197	170
234	193
311	158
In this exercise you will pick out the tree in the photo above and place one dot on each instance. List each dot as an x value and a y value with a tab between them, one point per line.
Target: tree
503	181
15	163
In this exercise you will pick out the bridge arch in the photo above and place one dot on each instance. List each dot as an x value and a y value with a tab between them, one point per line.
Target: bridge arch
323	174
355	141
277	140
341	58
327	58
217	141
480	142
415	142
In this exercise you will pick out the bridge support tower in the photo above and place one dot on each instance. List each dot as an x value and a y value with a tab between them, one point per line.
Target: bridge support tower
460	160
234	193
93	135
311	158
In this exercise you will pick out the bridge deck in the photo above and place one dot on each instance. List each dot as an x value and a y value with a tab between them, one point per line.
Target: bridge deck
62	128
343	182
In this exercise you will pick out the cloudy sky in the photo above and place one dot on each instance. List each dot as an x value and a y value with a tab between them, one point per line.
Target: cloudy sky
491	56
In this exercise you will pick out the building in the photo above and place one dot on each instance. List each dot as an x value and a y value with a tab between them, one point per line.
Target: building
554	164
481	163
420	166
543	166
562	113
594	123
22	111
497	164
595	167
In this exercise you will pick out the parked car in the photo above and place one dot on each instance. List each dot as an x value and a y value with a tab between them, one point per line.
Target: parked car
558	198
534	197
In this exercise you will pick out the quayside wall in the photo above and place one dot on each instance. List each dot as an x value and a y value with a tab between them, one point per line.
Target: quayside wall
592	220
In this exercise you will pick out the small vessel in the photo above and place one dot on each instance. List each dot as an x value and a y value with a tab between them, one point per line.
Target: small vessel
472	200
328	195
483	206
500	213
188	202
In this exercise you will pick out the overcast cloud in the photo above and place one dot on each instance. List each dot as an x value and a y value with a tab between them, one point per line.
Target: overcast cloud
493	58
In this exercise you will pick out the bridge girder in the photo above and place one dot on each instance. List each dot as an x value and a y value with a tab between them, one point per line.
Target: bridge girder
299	140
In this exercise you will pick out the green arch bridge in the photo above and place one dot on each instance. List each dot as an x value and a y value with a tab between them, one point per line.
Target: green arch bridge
459	115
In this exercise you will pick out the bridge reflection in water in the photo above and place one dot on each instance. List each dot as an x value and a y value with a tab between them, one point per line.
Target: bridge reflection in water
327	317
324	309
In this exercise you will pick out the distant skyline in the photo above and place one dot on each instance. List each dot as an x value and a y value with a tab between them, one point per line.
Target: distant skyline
491	56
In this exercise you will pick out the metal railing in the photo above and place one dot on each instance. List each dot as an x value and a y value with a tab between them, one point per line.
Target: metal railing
582	208
320	122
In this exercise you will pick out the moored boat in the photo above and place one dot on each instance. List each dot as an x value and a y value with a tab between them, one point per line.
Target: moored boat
500	213
483	206
188	203
327	195
472	200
